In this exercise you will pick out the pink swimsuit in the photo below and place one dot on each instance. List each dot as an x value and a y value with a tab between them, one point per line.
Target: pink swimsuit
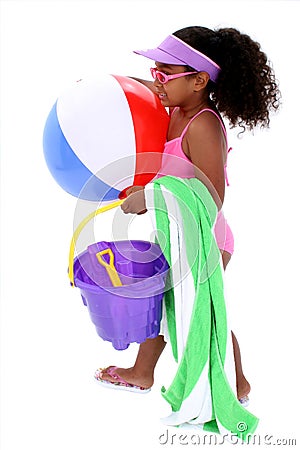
176	163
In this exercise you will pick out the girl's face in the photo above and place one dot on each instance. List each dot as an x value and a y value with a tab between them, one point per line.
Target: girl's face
176	92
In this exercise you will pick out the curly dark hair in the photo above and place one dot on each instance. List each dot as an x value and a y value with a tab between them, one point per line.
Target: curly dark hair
246	90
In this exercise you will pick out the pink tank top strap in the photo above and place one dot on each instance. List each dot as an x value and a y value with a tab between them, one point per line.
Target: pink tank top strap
198	114
223	128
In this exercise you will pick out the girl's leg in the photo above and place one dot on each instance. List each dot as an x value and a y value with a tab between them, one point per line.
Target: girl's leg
242	385
142	373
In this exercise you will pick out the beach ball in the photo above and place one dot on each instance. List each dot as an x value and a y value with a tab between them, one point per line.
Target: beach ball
103	136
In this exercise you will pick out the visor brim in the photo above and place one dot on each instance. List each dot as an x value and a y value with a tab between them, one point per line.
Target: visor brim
160	56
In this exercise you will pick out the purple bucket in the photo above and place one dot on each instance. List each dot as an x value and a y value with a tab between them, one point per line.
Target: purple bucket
131	312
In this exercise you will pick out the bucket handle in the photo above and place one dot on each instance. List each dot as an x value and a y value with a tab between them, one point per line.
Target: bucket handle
78	231
110	267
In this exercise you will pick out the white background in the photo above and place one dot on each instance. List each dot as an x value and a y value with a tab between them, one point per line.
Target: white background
49	348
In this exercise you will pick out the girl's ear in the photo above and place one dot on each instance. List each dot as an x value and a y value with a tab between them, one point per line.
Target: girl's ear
201	80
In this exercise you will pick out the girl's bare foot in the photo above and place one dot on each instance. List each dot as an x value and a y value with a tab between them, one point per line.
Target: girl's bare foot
130	375
142	373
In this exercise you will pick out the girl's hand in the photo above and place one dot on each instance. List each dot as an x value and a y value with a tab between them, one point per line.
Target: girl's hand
133	189
135	202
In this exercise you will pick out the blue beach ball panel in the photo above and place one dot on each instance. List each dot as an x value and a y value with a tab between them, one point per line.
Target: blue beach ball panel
67	169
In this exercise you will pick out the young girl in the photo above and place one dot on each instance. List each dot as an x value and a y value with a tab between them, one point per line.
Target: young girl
199	75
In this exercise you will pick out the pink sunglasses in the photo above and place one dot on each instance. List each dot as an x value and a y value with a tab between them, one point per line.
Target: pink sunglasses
163	78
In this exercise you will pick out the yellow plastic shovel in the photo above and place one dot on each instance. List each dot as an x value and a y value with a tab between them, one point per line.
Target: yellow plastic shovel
110	267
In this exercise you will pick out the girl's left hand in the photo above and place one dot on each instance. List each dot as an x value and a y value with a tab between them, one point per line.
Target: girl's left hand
135	203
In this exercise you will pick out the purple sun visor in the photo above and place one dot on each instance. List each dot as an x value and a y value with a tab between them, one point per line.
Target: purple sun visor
174	51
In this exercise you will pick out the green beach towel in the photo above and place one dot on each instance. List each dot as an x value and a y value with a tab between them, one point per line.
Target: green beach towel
202	393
